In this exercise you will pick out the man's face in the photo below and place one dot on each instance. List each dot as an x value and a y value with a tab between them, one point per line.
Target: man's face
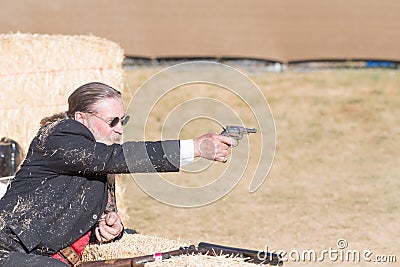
105	111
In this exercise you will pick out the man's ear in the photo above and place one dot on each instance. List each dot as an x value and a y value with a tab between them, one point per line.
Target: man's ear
81	117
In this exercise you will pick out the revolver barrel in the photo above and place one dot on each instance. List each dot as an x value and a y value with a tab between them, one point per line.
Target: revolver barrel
248	130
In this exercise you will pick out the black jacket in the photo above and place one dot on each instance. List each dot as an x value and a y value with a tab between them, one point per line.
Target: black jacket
60	191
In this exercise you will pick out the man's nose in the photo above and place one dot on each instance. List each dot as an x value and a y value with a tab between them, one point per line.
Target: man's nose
119	128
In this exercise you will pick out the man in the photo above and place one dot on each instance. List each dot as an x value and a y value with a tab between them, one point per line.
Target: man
63	194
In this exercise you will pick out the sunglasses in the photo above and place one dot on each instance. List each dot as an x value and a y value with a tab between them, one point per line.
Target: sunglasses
112	123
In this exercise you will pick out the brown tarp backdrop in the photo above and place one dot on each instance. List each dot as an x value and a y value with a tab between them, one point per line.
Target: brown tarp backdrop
276	30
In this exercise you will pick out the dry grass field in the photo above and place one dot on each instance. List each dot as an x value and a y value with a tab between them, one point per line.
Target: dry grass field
335	174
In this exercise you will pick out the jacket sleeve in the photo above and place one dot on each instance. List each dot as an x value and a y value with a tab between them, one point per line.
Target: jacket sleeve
71	148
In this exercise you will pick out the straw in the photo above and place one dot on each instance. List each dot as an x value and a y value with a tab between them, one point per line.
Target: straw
130	245
134	245
38	72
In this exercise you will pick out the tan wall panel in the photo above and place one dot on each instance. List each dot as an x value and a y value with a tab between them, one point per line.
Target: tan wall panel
267	29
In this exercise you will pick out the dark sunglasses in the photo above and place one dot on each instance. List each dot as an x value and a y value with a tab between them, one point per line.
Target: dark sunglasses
112	123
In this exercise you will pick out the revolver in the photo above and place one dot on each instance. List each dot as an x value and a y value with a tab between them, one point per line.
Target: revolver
237	132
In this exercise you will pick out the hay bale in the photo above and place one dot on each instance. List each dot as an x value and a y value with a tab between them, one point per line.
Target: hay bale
38	72
134	245
130	245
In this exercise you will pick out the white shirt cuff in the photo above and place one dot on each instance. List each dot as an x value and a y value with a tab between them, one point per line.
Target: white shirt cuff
186	152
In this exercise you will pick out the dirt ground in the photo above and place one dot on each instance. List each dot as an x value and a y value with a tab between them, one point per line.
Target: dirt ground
334	178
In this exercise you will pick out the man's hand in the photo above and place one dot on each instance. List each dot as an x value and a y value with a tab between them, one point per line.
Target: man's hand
110	226
213	146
